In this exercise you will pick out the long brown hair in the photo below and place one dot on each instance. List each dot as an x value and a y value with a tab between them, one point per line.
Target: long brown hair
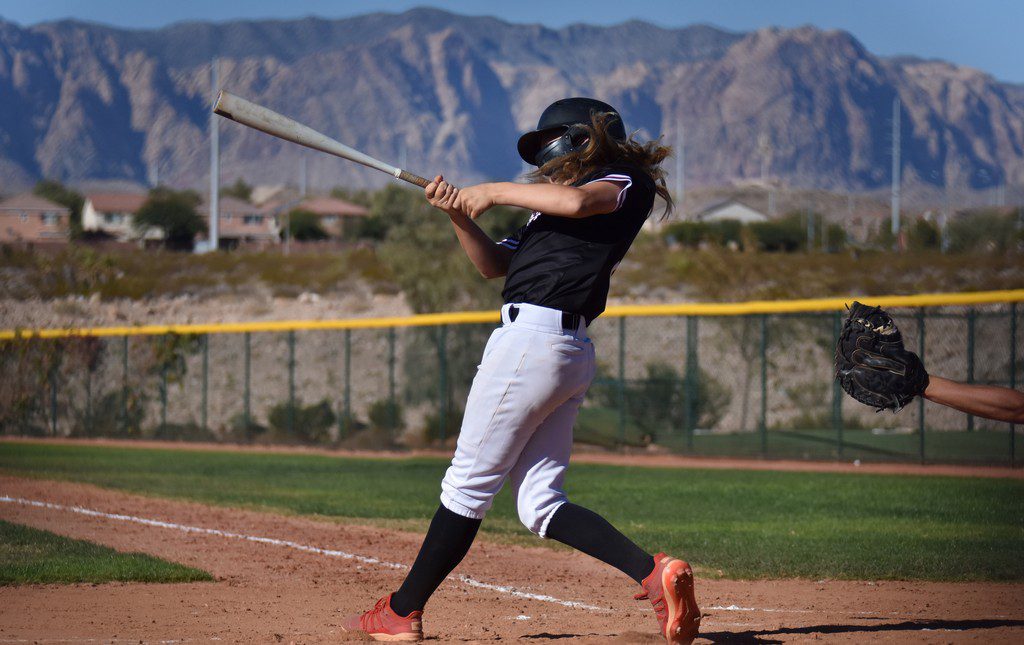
602	150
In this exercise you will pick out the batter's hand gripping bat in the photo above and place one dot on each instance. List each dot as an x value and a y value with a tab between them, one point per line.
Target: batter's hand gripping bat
256	116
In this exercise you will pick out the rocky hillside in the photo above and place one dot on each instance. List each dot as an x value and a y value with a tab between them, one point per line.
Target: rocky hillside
85	102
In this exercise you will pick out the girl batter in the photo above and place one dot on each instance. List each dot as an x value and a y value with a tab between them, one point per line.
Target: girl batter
593	189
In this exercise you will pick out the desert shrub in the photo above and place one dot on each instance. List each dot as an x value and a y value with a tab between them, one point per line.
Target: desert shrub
300	423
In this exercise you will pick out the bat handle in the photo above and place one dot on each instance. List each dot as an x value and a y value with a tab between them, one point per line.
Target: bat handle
405	175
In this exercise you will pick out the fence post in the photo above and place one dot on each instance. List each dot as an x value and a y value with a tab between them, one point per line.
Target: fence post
291	382
971	314
1013	378
622	379
54	367
692	375
763	424
124	384
163	399
837	395
344	424
442	388
206	382
246	392
391	380
921	327
88	399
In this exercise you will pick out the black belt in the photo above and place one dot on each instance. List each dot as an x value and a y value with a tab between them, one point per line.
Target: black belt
569	321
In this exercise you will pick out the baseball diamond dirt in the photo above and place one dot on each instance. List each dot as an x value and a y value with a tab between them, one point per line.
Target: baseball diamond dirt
303	576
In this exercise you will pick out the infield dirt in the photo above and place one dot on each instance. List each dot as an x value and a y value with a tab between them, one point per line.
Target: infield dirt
271	593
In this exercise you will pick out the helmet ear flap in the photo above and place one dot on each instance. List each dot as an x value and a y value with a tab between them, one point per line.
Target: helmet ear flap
573	139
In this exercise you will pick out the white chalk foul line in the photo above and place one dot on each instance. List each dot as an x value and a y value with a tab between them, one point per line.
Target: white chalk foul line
333	553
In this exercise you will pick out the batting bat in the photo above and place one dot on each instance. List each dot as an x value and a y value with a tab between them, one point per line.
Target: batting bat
256	116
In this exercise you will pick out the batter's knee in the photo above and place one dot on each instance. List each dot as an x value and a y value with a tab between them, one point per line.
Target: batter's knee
536	513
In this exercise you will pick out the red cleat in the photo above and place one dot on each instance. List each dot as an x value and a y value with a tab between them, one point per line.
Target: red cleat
382	624
670	590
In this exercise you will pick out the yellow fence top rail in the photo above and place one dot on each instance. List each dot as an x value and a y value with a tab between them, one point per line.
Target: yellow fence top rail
467	317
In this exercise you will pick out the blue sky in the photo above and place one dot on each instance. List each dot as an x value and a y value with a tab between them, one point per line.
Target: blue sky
985	34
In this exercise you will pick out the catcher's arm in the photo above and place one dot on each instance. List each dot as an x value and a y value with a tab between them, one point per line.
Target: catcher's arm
989	401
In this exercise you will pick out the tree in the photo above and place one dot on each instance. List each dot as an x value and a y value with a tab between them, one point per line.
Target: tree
923	235
238	190
305	226
55	191
174	213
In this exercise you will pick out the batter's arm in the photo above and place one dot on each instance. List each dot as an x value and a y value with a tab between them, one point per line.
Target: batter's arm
490	259
989	401
551	199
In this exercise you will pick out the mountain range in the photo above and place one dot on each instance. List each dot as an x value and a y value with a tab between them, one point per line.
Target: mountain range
448	93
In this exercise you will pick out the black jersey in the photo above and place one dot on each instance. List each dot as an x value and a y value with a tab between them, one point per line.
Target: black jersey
566	263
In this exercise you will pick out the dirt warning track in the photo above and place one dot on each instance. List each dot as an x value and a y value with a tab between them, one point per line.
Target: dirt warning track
291	579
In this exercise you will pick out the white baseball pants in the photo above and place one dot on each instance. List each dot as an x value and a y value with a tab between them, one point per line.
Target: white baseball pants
519	417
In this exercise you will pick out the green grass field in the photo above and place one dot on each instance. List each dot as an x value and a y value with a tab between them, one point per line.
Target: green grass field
31	556
731	523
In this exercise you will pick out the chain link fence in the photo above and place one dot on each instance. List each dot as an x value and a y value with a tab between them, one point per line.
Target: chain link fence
756	385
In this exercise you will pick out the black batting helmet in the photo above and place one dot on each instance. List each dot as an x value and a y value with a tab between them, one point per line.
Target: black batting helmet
568	117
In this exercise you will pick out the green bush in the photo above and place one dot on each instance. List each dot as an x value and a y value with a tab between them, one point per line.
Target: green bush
786	234
183	432
174	213
983	231
107	417
923	235
302	423
239	431
657	403
55	191
386	415
305	226
688	234
452	424
238	190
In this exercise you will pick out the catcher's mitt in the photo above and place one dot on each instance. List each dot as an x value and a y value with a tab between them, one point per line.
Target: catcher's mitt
871	363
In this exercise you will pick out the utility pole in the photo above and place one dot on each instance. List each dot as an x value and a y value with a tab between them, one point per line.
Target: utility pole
214	165
810	229
896	167
680	167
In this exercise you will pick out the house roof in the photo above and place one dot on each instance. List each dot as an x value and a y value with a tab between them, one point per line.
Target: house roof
231	205
29	201
117	202
712	208
332	206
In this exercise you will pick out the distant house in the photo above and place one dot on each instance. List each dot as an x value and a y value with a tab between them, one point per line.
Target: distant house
730	209
337	217
30	218
114	213
241	223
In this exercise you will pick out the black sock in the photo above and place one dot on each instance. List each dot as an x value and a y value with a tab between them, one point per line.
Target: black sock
446	543
586	531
